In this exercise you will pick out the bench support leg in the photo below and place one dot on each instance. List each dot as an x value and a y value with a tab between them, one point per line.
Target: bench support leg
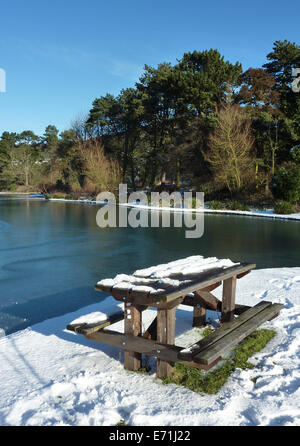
165	335
199	316
133	326
151	332
228	299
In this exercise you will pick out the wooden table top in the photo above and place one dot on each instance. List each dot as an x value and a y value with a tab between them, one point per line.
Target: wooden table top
167	282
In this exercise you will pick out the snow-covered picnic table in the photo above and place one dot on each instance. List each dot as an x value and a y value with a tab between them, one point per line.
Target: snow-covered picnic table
188	281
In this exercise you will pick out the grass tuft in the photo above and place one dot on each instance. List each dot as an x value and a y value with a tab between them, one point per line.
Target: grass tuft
121	423
211	382
207	331
144	370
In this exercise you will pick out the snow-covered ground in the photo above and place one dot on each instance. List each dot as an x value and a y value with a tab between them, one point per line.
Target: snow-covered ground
50	376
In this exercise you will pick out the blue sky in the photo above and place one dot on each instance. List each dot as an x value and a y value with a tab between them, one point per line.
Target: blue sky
60	55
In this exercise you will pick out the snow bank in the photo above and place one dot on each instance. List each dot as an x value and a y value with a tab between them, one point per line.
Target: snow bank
50	376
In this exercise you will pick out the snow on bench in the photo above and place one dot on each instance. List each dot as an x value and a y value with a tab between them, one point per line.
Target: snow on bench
91	322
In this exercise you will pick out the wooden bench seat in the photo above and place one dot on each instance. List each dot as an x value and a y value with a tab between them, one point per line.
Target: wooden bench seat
89	328
204	353
214	346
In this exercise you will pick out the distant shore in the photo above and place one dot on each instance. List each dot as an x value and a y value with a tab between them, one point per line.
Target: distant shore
269	213
17	193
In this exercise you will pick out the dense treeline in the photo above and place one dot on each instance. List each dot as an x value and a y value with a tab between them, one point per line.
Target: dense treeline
201	122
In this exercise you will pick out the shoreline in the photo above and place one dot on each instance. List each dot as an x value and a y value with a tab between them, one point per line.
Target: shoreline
18	193
266	214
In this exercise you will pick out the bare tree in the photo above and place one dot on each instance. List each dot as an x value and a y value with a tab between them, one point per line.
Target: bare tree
231	148
78	125
101	173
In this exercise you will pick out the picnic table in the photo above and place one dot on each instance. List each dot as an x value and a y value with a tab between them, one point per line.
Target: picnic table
188	281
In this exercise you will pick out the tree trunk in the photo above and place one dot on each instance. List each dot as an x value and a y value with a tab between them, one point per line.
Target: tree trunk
256	175
178	182
125	159
26	175
132	175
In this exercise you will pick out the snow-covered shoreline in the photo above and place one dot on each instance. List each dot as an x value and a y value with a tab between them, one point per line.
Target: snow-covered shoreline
50	376
253	213
265	214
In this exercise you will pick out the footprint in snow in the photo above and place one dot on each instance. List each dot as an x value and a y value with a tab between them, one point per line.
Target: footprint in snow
262	295
126	411
281	420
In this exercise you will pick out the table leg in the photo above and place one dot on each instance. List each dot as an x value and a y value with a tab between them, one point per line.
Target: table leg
165	335
199	316
133	326
228	299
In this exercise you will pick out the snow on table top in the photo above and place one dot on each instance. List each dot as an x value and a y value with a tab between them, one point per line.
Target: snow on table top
157	278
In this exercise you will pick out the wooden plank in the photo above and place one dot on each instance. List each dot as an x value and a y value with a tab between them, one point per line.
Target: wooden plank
165	335
142	296
120	292
239	309
74	327
169	305
239	276
144	346
193	301
85	328
200	366
228	299
273	317
206	280
227	342
138	344
105	289
90	328
203	280
137	298
211	287
207	299
132	327
150	300
188	353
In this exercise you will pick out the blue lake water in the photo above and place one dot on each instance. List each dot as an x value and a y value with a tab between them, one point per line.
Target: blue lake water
52	253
